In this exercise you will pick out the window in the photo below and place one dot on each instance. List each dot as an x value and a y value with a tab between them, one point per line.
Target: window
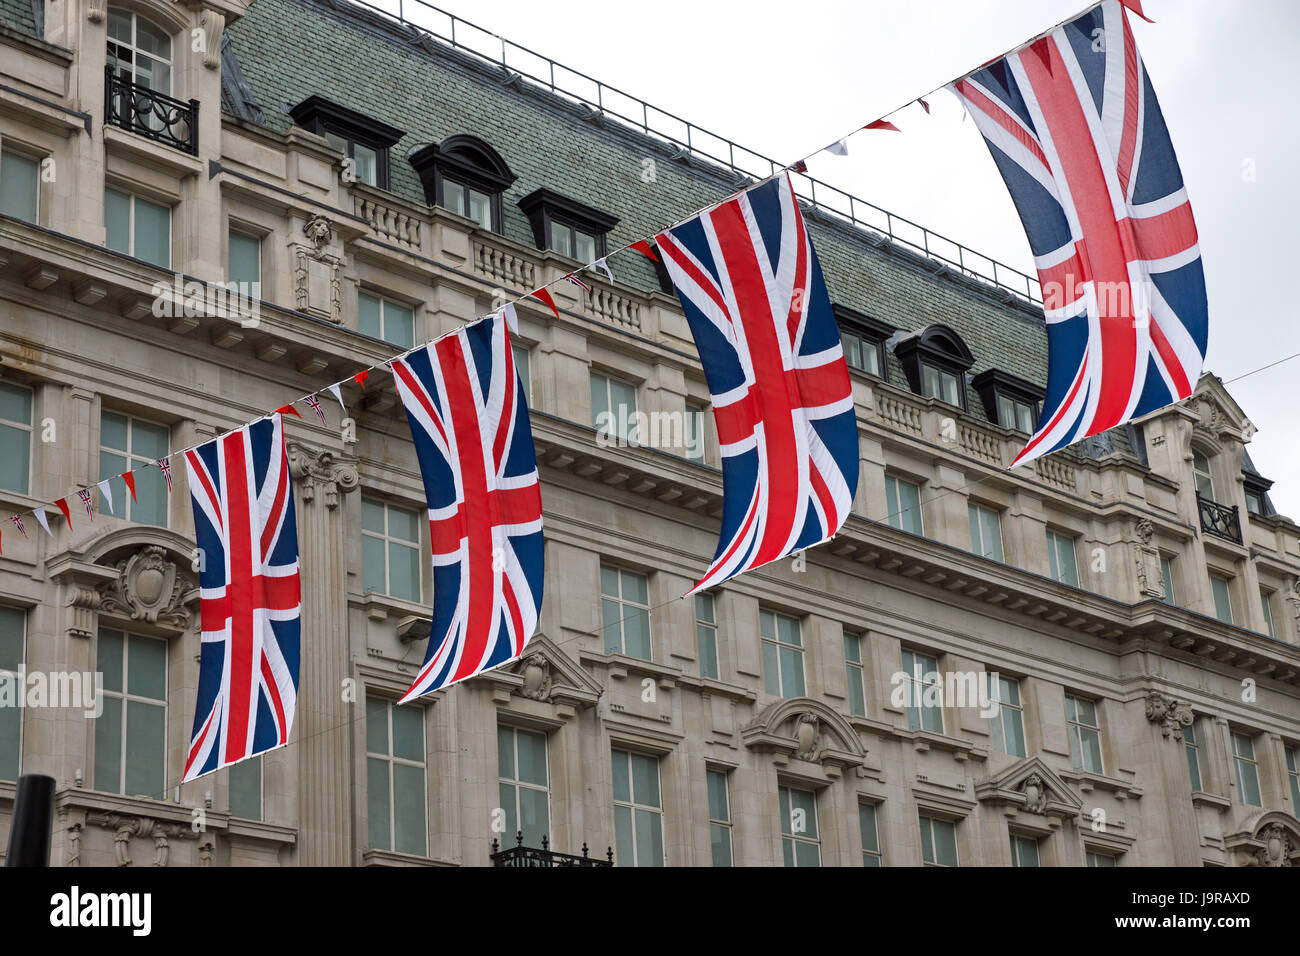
1008	400
1024	851
985	531
903	501
127	443
935	363
1008	724
706	635
800	842
524	369
1255	502
613	407
15	438
246	789
863	338
719	818
941	384
566	226
1266	606
1094	858
1060	558
625	612
138	51
395	796
385	319
854	674
694	433
1222	594
524	783
130	734
244	266
137	227
467	201
1167	577
1243	757
1193	749
20	186
860	352
938	842
363	140
1293	776
1013	413
924	692
1085	733
871	855
782	654
638	810
1201	472
13	624
390	550
465	175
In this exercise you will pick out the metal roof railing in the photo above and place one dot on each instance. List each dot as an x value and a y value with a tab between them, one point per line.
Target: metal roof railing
578	87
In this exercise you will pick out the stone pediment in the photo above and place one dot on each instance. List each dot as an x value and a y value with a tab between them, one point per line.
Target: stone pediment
1030	786
1218	414
545	673
805	729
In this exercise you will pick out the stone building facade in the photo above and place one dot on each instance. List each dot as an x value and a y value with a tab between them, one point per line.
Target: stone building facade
1133	604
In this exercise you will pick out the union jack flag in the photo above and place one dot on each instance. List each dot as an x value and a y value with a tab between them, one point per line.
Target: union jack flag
84	495
752	290
578	282
314	404
250	604
18	523
469	421
1074	127
166	466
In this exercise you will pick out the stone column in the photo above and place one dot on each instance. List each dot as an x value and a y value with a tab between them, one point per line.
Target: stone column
1177	817
323	717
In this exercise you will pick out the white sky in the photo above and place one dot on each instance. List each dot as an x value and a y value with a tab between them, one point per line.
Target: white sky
785	78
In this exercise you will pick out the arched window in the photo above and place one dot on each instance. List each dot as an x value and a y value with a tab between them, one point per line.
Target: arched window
138	51
935	363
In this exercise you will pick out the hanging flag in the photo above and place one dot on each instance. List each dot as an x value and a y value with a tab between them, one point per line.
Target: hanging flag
107	492
644	248
335	391
84	495
18	523
925	106
469	419
839	149
544	295
314	404
752	290
360	377
1078	135
62	504
601	265
288	410
42	520
883	124
799	167
250	605
128	479
578	282
166	466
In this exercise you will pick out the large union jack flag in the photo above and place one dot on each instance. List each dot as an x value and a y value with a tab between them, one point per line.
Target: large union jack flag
1074	127
469	419
752	290
250	603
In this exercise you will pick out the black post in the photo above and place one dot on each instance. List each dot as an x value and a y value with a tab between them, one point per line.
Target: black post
33	821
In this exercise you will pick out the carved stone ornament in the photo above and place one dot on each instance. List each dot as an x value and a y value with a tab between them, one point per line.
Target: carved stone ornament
213	24
149	587
1035	792
537	677
1144	529
318	231
1278	849
318	275
807	737
317	469
95	10
1168	713
126	827
1151	582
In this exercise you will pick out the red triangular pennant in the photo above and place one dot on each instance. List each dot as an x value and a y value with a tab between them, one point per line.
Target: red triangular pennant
128	479
544	296
288	410
645	249
63	506
883	124
360	378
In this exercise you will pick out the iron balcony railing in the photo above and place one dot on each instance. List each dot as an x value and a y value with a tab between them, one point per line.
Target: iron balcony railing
429	21
520	855
150	113
1222	521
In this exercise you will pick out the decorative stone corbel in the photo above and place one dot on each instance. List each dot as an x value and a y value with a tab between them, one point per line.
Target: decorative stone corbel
213	24
1168	713
95	10
1150	581
83	604
315	469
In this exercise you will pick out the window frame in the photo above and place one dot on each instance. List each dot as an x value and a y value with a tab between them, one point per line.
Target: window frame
623	604
126	697
468	162
788	836
631	435
1218	577
869	332
388	540
926	823
942	350
1291	755
1017	707
1075	728
995	387
1206	473
710	625
29	428
261	787
1167	578
877	854
777	645
917	683
1192	750
31	156
854	639
124	505
383	301
135	50
1018	840
895	510
1266	606
132	199
21	614
1054	563
391	761
976	512
723	823
546	210
633	806
1250	760
517	784
324	117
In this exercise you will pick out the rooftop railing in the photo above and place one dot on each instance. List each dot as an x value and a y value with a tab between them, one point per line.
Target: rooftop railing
577	87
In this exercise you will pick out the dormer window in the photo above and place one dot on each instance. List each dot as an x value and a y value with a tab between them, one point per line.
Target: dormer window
935	363
1008	401
465	175
363	141
863	339
567	226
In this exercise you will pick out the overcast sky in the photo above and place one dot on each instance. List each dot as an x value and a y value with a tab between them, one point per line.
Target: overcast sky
786	78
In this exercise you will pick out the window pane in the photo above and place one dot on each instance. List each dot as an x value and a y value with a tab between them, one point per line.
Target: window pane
584	247
372	565
649	838
507	795
367	163
945	842
453	196
151	492
523	369
15	458
408	732
11	638
19	186
645	780
1222	599
10	733
791	673
376	725
403	525
108	745
372	516
867	824
399	324
532	758
635	587
145	746
622	775
771	669
149	440
15	404
623	853
246	789
153	235
717	786
403	571
636	633
368	315
506	753
561	239
534	815
146	667
245	259
611	613
117	221
377	803
600	403
720	844
480	209
707	645
408	809
108	658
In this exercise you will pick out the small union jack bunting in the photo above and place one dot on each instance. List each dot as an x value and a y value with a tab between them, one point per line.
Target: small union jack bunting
166	467
84	495
314	404
18	523
578	282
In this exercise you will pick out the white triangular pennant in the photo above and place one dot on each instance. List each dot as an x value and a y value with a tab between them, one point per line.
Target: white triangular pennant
40	517
334	390
839	149
108	495
600	265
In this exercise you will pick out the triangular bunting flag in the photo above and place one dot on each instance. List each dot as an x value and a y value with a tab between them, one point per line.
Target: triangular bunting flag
166	466
107	492
63	506
128	479
925	106
288	410
799	167
314	404
338	394
84	495
42	520
600	265
645	249
883	124
18	523
838	149
360	379
543	295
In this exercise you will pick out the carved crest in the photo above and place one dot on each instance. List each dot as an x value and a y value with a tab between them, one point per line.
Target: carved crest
1168	713
149	587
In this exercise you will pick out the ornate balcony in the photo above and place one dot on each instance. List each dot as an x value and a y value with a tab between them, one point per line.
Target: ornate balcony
150	113
520	855
1219	520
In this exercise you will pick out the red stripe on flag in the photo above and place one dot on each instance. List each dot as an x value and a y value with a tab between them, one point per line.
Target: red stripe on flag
1136	7
240	595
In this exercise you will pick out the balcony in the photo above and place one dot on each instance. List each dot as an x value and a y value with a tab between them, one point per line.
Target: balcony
520	855
1219	520
151	114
